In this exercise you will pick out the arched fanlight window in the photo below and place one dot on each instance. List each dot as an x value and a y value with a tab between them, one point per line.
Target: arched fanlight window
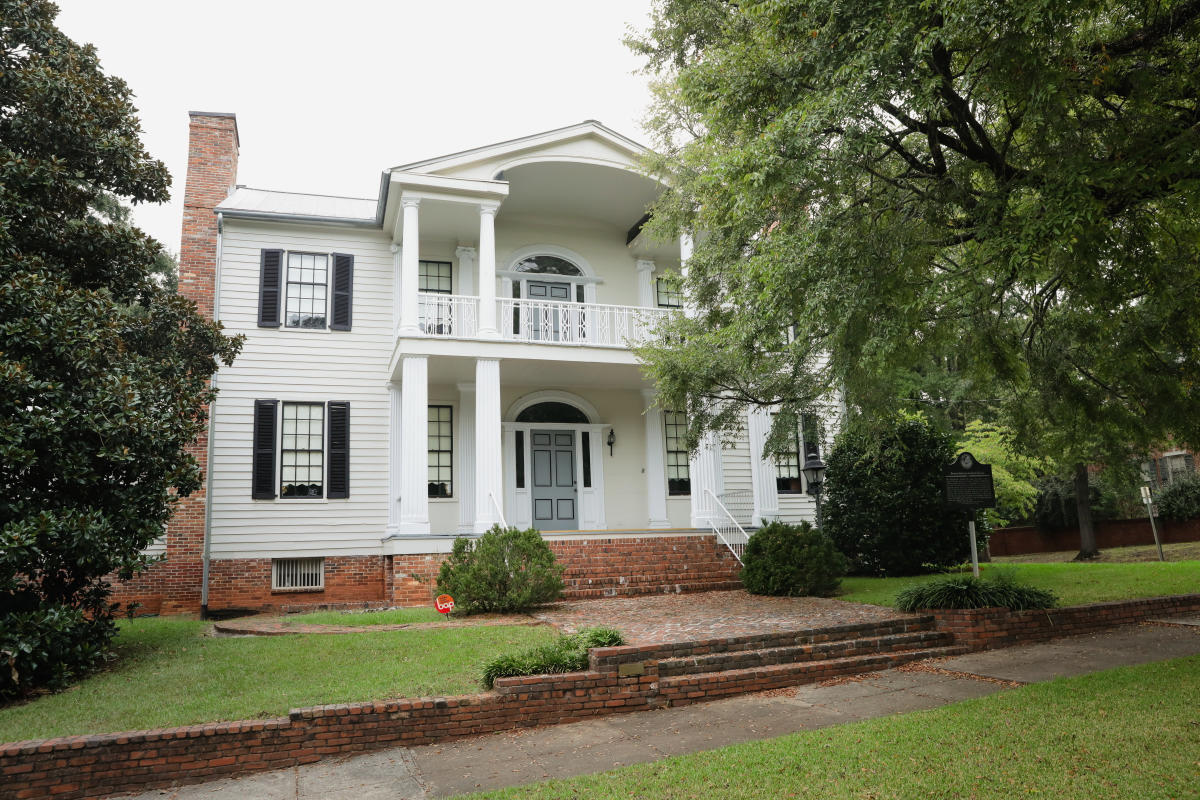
553	412
548	265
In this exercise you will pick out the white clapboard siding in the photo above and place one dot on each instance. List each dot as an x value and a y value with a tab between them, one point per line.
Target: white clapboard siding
738	491
300	365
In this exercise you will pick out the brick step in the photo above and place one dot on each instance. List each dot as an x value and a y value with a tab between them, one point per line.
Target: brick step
805	636
819	651
684	689
592	582
660	587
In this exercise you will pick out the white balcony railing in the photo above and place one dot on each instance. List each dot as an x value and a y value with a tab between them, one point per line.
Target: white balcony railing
545	322
550	322
452	315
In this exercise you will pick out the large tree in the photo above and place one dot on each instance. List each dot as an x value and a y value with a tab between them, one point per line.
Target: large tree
1015	184
103	370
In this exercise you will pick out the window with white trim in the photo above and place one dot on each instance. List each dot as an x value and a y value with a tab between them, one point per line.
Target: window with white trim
787	468
302	450
307	289
434	277
441	451
667	293
297	574
679	479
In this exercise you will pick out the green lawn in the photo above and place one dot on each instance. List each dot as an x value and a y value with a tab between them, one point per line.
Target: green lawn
1075	583
169	673
1125	733
394	616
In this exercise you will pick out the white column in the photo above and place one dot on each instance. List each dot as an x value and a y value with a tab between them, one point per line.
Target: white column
489	458
396	283
466	457
409	270
466	270
487	271
704	467
762	470
414	445
645	270
395	456
656	467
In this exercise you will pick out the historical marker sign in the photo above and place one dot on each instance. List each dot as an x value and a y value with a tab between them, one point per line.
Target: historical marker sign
969	483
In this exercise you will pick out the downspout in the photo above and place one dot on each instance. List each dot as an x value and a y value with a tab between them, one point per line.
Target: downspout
212	416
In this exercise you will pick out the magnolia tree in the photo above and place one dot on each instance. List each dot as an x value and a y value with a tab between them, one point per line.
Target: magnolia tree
103	369
875	186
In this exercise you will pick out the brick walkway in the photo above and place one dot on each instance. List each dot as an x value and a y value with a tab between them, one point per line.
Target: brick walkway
653	619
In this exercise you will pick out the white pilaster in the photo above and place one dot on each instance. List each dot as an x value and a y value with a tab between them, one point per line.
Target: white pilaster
395	456
466	270
704	468
762	470
466	457
396	282
489	458
656	468
414	445
487	273
645	270
409	269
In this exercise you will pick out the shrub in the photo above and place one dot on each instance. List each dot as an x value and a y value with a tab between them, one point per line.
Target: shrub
565	654
793	561
50	647
966	591
885	506
505	570
1180	500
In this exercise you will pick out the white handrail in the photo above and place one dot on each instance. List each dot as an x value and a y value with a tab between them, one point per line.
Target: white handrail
733	536
499	511
564	322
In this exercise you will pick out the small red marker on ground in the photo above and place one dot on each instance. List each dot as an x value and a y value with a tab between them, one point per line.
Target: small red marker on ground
444	603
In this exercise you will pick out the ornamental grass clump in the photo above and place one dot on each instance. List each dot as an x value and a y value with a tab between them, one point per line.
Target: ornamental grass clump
505	570
565	654
966	591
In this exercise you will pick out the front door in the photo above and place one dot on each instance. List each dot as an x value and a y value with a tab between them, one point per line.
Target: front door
547	322
555	497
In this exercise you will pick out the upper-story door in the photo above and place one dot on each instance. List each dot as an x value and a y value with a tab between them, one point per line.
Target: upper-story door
545	321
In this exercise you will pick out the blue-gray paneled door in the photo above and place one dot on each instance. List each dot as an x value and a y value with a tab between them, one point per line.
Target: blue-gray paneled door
555	496
548	323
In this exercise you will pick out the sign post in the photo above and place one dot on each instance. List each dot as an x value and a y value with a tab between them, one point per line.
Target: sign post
969	485
1148	499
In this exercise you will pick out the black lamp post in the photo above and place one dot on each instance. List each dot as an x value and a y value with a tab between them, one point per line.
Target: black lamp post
814	476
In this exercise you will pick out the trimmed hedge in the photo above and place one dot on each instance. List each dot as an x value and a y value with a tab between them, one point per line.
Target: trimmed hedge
792	561
1180	500
505	570
565	654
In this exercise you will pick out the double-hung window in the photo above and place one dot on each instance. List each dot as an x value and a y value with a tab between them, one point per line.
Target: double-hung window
441	451
434	277
667	293
679	479
313	291
300	450
802	445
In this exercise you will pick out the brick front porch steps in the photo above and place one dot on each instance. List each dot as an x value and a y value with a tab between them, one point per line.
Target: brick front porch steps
644	563
722	667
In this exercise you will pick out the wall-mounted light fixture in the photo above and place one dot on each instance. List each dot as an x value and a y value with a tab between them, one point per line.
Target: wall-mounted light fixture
612	438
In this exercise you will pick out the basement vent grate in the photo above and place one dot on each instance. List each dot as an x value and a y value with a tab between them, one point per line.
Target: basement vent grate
297	574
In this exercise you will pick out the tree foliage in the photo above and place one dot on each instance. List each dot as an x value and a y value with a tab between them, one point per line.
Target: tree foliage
103	371
1014	475
886	507
1015	184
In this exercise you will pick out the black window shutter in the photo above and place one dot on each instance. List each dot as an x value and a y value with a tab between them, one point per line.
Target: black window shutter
270	278
339	449
343	292
263	467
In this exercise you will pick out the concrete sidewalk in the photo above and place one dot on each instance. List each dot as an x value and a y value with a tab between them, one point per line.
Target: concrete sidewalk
523	756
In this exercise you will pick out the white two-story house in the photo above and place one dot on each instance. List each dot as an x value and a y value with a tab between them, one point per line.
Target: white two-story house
451	354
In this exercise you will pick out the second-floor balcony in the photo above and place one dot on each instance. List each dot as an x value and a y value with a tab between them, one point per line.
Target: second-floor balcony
540	321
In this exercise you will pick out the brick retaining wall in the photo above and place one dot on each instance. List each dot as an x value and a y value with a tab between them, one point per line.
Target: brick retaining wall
1109	533
988	628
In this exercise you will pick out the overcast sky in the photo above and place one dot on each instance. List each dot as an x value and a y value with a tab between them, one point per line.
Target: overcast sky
329	94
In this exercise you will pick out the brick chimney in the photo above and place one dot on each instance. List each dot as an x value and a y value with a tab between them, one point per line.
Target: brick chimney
211	176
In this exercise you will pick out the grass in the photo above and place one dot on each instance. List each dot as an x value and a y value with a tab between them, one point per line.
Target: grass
1129	732
169	672
1176	551
394	616
1074	583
